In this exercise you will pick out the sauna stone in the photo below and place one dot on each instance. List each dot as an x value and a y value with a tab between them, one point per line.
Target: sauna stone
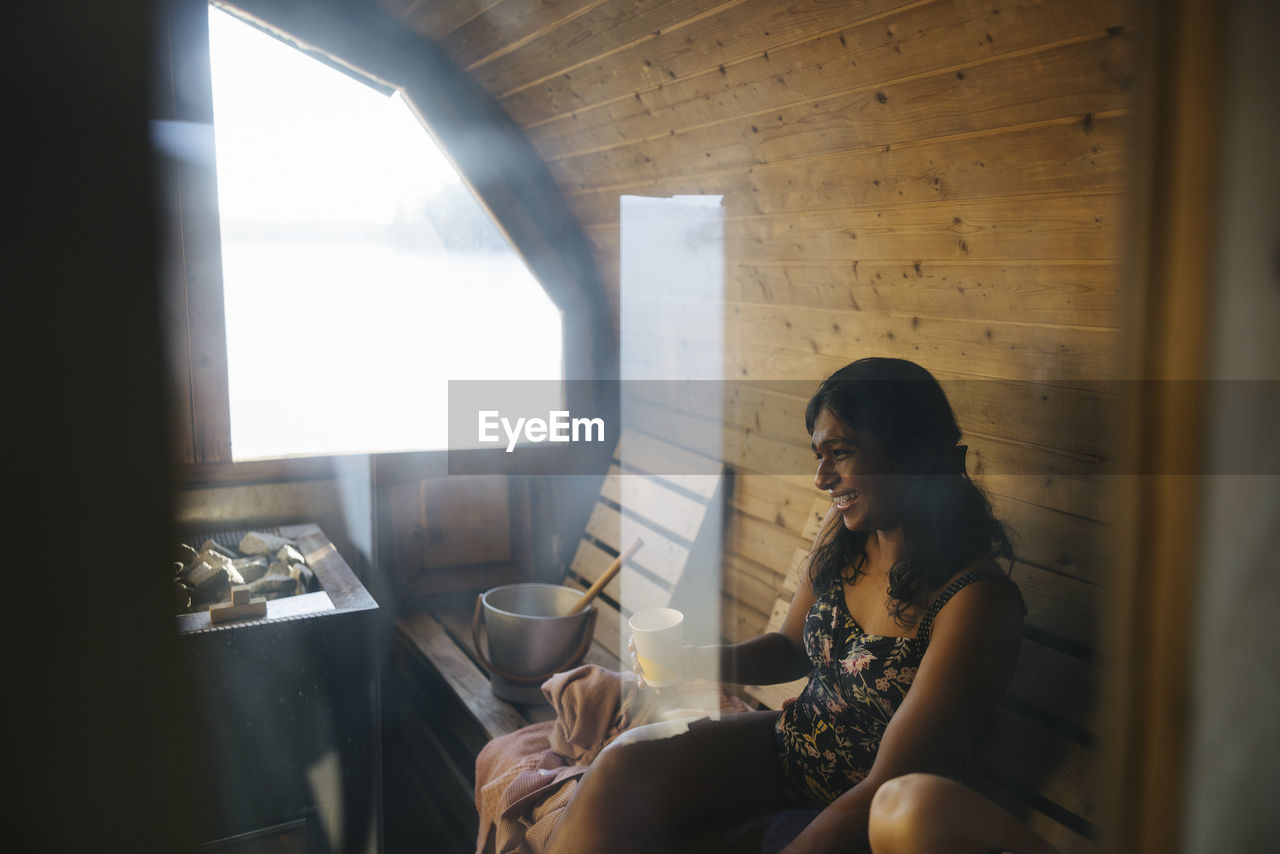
214	556
208	583
289	555
274	584
259	543
202	575
251	568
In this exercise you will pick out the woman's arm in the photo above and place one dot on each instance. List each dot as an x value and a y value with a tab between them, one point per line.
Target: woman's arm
971	657
769	658
764	660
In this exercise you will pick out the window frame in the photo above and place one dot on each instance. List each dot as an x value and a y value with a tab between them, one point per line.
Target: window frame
523	202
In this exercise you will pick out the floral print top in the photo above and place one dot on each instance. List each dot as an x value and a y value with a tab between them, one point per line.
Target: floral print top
828	738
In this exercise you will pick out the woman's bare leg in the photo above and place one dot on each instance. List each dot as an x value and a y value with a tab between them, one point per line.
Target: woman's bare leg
926	814
657	795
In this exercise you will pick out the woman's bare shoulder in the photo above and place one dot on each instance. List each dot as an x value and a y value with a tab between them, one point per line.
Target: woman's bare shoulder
991	595
990	575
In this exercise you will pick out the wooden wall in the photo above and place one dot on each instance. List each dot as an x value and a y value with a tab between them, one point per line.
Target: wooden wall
940	180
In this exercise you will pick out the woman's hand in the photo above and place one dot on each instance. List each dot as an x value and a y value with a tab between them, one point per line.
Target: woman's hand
691	662
633	658
765	660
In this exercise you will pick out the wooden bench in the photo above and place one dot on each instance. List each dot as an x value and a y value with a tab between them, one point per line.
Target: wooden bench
665	496
668	498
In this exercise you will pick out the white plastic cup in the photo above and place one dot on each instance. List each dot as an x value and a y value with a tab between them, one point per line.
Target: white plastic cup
659	637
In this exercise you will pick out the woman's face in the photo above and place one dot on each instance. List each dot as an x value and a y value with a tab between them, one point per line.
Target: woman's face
853	468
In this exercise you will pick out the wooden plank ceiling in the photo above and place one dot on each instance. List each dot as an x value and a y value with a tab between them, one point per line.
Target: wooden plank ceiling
875	132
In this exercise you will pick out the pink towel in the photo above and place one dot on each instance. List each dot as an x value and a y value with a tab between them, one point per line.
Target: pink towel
525	779
521	787
593	706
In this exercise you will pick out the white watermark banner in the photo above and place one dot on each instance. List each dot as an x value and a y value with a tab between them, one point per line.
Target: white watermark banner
573	427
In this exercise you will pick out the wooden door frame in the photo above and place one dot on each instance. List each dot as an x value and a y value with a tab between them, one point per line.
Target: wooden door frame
1177	143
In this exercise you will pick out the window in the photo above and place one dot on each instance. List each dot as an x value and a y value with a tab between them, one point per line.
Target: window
360	274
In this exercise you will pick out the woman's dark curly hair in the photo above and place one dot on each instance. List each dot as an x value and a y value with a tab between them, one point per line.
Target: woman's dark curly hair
946	519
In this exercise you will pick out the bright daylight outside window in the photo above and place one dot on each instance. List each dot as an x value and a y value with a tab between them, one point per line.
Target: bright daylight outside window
360	274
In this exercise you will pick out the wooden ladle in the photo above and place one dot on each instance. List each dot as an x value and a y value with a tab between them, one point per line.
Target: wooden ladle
606	576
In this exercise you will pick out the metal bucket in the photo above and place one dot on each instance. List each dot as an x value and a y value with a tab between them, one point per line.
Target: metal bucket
532	636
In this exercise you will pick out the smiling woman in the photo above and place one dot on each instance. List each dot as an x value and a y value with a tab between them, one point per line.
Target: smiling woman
886	442
358	268
907	627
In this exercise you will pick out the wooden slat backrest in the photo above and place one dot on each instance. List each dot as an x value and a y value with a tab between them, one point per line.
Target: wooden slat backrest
1038	757
662	494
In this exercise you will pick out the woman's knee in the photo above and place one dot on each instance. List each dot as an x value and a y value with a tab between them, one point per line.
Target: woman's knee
906	811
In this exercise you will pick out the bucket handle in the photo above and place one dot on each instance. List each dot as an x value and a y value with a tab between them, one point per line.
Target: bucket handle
588	634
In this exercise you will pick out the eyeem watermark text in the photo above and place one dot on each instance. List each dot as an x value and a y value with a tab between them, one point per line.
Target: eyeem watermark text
559	426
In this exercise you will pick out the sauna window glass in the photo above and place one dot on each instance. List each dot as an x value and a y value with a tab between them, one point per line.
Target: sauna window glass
360	273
